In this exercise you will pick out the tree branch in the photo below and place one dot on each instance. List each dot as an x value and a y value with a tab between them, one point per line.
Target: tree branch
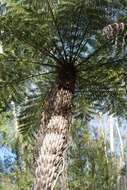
57	29
78	50
74	40
107	63
93	54
24	79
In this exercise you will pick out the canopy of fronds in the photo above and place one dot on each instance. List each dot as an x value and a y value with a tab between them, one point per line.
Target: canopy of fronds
40	37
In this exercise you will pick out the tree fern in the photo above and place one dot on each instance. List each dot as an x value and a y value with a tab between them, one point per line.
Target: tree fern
64	38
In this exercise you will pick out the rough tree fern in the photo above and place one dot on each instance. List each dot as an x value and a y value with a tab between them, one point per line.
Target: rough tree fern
63	40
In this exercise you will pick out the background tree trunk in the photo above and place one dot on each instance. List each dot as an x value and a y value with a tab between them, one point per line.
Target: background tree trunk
111	129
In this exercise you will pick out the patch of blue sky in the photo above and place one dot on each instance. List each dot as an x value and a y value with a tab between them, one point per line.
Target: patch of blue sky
7	159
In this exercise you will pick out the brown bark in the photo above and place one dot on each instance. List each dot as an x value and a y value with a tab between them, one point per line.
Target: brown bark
63	179
53	134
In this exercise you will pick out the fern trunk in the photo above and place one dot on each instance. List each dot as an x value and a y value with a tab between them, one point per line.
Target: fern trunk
53	133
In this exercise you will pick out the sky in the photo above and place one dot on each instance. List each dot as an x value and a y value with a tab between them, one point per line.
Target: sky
7	159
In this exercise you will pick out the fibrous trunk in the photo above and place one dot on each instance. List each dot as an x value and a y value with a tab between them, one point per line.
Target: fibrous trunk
53	134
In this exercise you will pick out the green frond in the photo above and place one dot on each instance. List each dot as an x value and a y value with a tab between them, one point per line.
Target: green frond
30	116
